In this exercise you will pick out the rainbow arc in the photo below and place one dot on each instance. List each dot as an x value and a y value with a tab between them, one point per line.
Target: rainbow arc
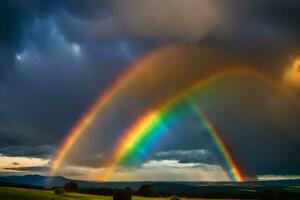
148	121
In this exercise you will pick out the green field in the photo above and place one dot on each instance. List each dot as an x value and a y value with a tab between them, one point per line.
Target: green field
31	194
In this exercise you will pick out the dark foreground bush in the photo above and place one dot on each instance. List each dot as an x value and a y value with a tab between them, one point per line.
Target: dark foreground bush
59	190
122	194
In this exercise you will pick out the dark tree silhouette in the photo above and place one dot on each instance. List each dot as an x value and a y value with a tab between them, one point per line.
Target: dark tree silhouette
271	195
71	187
122	194
147	191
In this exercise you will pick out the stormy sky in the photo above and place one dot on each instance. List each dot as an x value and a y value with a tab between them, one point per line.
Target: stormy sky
56	57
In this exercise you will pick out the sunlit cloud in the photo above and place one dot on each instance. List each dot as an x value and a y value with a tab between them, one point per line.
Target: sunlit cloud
291	76
277	177
17	164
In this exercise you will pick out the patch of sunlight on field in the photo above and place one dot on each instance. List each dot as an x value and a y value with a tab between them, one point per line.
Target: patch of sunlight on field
32	194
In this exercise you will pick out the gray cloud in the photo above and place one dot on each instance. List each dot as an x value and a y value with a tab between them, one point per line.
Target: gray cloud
53	83
187	156
190	19
91	159
40	151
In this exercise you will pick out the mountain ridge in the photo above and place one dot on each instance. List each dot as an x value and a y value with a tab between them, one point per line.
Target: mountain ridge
55	181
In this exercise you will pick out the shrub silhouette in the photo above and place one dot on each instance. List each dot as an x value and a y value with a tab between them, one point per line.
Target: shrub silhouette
122	194
71	187
147	191
59	190
271	195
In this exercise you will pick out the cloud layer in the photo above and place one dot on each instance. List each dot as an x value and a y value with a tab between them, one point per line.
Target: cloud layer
188	20
57	56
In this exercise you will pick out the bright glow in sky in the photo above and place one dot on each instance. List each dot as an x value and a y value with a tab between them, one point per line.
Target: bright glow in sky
76	49
291	76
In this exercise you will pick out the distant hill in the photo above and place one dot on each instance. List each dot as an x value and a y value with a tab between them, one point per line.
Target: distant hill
204	188
49	182
35	180
193	188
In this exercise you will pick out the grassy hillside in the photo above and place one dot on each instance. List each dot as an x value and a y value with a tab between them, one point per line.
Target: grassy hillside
31	194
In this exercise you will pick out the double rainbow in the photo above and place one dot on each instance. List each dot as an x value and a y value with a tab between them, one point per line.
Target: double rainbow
152	119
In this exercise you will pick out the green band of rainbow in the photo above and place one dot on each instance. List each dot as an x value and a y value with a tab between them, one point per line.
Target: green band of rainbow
149	121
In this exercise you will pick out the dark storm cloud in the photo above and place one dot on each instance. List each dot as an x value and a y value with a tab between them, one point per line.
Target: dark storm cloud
15	16
277	16
269	28
6	61
53	83
267	22
262	136
18	16
42	151
284	15
63	53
